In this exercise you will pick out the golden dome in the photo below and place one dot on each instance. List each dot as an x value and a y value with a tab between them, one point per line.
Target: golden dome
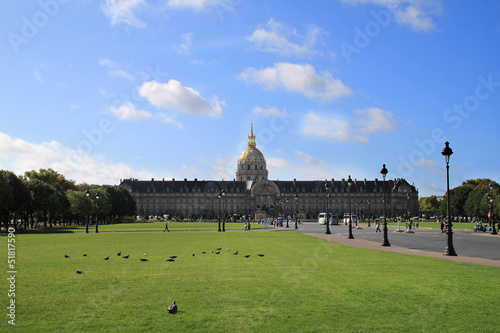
251	154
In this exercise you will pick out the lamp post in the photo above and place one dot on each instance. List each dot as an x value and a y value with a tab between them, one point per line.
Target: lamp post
490	215
449	250
87	193
286	212
386	240
369	213
349	183
296	209
219	195
327	217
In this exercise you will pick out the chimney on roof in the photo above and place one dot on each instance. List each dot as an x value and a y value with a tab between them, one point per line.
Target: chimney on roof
332	182
294	182
343	182
365	183
152	180
376	181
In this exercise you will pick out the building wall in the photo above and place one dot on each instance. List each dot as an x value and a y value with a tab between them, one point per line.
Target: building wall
200	198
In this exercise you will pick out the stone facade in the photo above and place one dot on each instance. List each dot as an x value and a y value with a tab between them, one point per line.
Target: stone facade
251	193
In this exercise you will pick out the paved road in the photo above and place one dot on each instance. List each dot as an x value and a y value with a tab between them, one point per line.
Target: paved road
466	242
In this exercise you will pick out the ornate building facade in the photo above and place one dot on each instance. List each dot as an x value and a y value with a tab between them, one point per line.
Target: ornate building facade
252	194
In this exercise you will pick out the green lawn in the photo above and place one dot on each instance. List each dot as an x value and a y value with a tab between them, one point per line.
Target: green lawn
425	224
302	284
148	226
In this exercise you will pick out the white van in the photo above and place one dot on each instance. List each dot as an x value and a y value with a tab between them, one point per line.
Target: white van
354	218
321	218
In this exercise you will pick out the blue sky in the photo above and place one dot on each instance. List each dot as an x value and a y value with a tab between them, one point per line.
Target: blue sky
106	90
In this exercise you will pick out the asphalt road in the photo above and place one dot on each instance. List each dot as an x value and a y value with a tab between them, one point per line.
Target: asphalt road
466	242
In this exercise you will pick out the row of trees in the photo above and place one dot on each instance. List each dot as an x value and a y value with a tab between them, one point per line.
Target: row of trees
47	197
471	199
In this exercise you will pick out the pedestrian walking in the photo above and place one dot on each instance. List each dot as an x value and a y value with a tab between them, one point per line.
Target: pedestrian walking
248	226
166	226
442	226
377	227
245	227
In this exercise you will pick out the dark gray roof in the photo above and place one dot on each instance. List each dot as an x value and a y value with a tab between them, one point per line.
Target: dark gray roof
285	186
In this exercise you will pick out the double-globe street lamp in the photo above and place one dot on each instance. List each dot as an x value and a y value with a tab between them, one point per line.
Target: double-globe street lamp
296	209
490	212
221	195
327	217
449	250
349	183
87	193
385	242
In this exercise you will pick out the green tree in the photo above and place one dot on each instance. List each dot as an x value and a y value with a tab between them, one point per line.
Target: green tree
430	203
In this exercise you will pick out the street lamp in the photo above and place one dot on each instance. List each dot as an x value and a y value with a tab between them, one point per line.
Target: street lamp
327	217
449	250
286	212
221	196
349	183
386	240
369	212
87	193
490	215
296	209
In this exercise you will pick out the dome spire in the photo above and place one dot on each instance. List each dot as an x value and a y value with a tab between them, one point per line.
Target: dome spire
251	139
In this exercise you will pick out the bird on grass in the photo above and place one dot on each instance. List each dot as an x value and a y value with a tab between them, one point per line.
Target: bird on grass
143	259
79	271
173	257
211	251
235	253
172	308
219	248
247	256
193	254
217	252
119	253
203	252
85	254
145	254
126	257
228	249
171	260
260	255
66	256
107	258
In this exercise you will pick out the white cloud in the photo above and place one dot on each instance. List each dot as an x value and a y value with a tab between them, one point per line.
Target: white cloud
123	11
418	14
297	78
127	111
114	70
183	48
277	163
365	122
373	120
331	128
169	120
197	4
428	163
173	96
270	112
19	156
275	39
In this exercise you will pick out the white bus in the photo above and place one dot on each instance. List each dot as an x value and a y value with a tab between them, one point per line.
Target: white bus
321	218
354	218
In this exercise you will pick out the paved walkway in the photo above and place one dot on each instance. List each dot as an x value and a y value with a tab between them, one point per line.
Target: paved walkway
376	246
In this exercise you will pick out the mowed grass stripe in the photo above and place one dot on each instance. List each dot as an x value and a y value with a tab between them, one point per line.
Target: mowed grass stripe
301	284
